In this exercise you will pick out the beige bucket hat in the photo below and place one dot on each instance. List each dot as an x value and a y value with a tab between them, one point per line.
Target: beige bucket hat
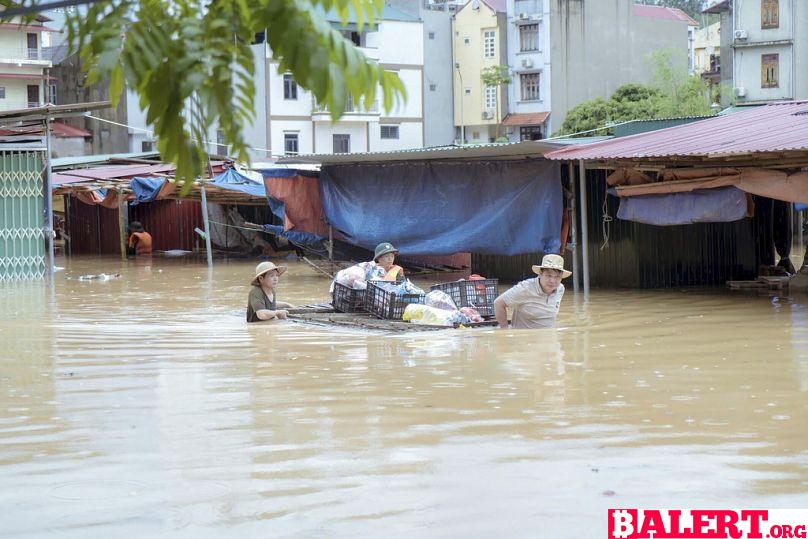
265	267
555	262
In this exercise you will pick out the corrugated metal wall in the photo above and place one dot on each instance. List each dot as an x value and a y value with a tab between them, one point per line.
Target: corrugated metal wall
94	229
171	223
646	256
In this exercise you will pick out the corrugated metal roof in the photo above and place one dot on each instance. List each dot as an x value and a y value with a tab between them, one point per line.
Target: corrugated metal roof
511	150
526	118
666	13
771	128
52	111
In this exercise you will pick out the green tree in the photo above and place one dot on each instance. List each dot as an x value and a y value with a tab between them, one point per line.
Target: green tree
496	76
191	65
672	93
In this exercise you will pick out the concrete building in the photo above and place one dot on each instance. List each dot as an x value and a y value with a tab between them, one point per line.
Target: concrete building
438	91
707	48
24	78
479	41
297	124
760	44
564	52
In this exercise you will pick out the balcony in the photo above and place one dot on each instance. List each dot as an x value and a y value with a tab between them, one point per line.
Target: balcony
444	5
19	105
23	56
353	111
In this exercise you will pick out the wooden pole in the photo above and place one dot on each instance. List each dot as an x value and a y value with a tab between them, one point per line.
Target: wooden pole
573	228
584	227
207	225
330	243
122	222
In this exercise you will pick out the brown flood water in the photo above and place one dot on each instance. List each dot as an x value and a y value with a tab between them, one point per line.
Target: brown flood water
146	407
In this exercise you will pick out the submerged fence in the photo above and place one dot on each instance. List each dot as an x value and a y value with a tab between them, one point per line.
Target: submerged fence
22	215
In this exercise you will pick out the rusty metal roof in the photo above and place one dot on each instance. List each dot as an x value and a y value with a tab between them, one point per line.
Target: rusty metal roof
777	127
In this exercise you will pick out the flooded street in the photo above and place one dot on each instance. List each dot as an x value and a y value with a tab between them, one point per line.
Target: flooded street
145	406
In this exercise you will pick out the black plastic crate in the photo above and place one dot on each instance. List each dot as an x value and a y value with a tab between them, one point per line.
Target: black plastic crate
383	304
347	300
479	294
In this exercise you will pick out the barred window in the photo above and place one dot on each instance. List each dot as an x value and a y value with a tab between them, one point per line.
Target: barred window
530	86
529	37
489	43
389	131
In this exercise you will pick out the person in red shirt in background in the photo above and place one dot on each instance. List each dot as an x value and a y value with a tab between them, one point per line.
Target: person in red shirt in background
140	241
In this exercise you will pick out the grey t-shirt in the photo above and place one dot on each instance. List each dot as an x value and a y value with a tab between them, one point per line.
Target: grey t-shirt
532	308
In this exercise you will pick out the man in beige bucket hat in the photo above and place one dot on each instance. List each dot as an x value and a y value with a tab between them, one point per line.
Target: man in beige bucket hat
535	301
262	303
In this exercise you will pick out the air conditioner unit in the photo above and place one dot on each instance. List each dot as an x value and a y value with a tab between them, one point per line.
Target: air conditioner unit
740	91
524	16
527	63
488	115
741	34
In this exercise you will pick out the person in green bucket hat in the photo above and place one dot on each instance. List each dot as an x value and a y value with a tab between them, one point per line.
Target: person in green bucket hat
385	256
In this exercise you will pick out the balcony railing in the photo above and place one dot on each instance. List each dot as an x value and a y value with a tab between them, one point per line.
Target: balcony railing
444	5
350	107
23	54
18	105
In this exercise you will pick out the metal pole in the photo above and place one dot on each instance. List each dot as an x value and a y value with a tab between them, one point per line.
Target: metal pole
584	229
207	226
51	269
573	228
121	222
462	118
799	228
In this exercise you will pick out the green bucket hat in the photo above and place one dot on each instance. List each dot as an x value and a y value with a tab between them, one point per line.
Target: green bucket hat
382	249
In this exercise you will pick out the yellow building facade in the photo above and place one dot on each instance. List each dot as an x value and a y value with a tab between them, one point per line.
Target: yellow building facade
479	42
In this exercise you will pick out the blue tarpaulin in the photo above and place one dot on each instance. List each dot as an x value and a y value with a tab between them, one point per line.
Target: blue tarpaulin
286	172
502	208
231	180
721	205
299	238
146	189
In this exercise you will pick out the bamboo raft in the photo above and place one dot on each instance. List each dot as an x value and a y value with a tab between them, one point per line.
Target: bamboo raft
324	315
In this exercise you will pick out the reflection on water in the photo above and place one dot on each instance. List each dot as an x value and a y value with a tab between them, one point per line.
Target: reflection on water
145	406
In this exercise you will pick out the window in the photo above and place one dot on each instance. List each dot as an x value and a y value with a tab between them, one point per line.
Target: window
52	94
490	97
769	71
530	132
466	41
489	39
259	38
389	131
2	92
431	35
290	143
529	37
342	143
769	14
221	147
354	37
530	86
433	87
289	87
467	91
147	146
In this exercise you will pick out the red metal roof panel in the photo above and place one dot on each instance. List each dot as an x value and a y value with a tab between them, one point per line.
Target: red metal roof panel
661	12
526	118
772	128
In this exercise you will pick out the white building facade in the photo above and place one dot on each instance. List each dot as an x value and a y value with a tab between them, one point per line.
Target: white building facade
24	81
295	123
529	59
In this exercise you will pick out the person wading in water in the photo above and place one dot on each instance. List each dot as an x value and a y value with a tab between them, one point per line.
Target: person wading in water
262	303
535	302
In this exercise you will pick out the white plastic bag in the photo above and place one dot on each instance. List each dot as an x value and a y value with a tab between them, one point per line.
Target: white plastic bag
440	300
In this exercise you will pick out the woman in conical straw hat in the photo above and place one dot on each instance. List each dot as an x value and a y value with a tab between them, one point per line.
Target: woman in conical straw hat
535	302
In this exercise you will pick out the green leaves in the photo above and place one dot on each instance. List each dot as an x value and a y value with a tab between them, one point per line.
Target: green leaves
192	65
